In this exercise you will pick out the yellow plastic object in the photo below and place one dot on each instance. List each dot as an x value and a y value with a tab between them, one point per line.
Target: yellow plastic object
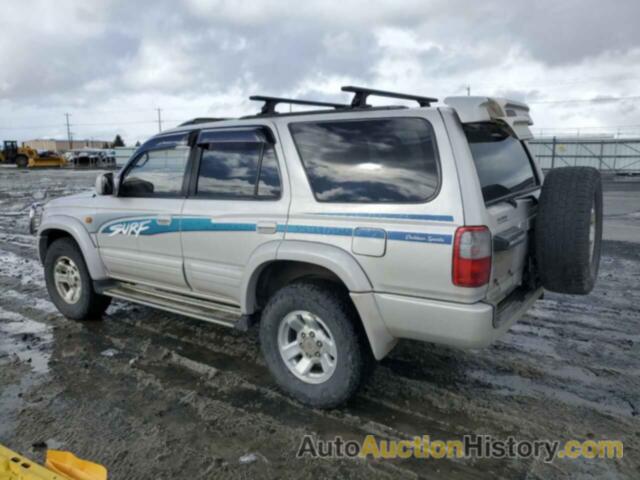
16	467
66	463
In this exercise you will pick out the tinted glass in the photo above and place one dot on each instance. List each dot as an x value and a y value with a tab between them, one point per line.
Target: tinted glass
381	160
269	184
230	170
157	173
501	160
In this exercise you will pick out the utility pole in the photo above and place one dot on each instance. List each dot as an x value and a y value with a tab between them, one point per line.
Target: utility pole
69	131
159	110
468	90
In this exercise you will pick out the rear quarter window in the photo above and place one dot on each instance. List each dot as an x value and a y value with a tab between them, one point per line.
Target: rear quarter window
392	160
502	162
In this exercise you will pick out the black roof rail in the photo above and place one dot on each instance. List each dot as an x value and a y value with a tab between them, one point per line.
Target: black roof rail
197	120
361	94
270	103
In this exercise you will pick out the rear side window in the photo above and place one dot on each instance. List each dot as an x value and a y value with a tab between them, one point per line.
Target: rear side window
503	165
380	160
239	170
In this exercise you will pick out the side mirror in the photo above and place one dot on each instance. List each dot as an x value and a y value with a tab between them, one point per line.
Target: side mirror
104	184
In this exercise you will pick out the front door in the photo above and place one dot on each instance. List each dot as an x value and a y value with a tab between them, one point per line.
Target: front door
236	204
139	233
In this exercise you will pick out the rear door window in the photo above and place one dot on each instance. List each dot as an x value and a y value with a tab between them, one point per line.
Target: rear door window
390	160
238	169
503	165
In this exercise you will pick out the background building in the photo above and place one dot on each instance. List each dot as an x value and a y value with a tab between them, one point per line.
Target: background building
63	145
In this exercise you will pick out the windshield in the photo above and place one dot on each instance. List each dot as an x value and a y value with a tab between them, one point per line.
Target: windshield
503	165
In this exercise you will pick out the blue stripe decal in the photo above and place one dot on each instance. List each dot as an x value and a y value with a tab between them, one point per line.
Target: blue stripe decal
316	230
398	216
420	237
150	226
200	224
369	232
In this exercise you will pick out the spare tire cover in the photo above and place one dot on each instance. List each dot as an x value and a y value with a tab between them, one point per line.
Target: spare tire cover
568	230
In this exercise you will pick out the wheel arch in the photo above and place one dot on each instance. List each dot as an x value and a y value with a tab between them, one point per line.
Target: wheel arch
285	261
341	264
60	226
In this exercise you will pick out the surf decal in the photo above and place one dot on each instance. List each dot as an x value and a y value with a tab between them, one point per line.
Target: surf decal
149	226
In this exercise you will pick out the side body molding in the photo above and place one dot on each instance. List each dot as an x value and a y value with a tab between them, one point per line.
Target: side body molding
73	227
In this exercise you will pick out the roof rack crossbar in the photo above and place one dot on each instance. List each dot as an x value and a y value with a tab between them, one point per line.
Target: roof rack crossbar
361	94
270	103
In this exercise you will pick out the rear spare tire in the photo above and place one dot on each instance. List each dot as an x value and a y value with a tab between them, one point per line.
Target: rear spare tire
568	232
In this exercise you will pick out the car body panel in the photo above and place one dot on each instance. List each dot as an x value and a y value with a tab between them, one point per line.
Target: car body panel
395	259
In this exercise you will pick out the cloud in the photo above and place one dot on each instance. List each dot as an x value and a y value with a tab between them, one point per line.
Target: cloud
114	62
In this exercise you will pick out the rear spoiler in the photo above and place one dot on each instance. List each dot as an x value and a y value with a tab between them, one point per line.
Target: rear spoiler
487	109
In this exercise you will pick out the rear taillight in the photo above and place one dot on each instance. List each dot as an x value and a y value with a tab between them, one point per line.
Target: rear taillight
472	256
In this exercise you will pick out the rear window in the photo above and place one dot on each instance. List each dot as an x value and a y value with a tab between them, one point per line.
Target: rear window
503	165
381	160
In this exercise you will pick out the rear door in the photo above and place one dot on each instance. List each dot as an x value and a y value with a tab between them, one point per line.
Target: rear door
510	187
236	204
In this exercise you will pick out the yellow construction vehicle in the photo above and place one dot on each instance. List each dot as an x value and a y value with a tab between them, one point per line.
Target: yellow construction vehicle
27	157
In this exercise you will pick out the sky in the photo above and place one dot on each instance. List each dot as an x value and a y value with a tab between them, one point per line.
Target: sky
111	64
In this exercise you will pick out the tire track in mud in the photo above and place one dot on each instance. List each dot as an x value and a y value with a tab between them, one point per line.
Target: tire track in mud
569	368
402	400
244	388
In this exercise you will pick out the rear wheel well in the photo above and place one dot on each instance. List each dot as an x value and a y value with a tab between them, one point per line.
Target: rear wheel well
48	237
278	274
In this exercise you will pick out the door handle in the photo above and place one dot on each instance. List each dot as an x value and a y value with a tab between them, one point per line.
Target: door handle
163	220
267	227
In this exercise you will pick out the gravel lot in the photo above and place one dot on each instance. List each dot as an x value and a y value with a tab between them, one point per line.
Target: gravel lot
155	395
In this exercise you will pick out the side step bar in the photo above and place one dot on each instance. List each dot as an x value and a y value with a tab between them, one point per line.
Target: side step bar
213	312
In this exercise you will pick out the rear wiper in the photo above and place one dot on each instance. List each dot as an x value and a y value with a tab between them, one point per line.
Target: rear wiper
527	195
512	197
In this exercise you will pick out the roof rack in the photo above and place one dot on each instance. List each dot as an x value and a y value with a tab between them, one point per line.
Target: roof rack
197	120
270	103
361	94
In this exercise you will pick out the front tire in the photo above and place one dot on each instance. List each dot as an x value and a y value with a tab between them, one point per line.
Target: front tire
69	283
312	345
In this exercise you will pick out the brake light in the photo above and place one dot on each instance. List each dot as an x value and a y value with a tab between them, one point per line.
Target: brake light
472	256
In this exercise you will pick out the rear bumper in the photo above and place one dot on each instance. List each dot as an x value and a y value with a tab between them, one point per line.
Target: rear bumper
456	324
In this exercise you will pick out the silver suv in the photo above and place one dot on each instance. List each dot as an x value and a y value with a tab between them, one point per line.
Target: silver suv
339	230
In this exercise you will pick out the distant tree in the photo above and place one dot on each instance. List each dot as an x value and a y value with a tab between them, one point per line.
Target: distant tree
138	143
105	145
117	142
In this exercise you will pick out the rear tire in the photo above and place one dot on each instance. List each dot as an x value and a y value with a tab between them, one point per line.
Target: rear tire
69	283
22	161
319	325
568	233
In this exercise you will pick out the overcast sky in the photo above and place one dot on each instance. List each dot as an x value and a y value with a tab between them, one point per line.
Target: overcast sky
112	63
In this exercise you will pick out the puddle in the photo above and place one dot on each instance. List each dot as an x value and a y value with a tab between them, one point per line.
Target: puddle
27	339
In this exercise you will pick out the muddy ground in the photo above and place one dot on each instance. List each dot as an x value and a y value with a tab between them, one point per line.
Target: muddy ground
155	395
